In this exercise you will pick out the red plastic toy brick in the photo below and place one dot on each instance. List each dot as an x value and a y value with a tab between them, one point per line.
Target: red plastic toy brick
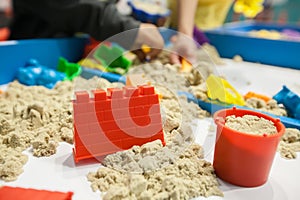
94	127
82	151
155	108
84	129
121	113
128	143
131	91
115	120
153	99
82	118
131	131
90	107
82	97
79	107
138	101
124	123
93	138
158	137
142	120
100	115
99	95
17	193
105	148
115	93
84	107
123	103
108	115
147	89
114	135
77	140
141	110
156	118
103	105
108	125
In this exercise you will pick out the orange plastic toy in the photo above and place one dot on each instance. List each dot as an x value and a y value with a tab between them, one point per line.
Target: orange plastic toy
185	65
17	193
244	159
259	96
115	121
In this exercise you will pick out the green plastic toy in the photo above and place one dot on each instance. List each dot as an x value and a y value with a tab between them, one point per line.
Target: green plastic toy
70	69
112	59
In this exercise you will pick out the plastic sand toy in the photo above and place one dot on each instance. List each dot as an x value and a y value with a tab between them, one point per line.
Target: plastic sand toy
255	95
185	65
240	158
115	120
17	193
70	69
112	58
220	89
290	100
34	73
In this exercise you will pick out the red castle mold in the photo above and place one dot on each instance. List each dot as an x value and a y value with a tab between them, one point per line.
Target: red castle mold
115	120
18	193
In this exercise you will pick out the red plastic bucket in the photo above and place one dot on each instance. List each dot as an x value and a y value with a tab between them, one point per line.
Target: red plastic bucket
244	159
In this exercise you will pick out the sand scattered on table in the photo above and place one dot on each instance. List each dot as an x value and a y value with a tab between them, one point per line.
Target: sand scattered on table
271	106
33	117
290	143
11	162
237	58
188	177
251	124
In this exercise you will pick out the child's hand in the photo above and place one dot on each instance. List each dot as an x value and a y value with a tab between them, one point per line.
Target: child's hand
148	35
183	46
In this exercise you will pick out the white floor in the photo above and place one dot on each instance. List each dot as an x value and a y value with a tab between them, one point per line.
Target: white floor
59	172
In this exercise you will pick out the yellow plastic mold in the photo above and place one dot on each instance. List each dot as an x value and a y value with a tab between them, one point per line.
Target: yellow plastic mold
220	89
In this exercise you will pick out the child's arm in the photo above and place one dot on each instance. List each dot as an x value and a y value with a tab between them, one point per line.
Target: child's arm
48	18
186	15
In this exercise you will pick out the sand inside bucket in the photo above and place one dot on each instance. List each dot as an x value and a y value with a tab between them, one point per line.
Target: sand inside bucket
251	124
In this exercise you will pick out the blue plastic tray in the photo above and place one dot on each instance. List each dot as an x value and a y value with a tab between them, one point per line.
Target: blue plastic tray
233	39
15	54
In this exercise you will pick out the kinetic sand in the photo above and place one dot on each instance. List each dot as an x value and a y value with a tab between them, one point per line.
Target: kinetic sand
32	117
251	124
290	143
271	106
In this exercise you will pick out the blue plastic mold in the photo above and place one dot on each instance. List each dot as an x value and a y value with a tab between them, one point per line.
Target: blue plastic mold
144	16
15	54
234	39
33	73
290	100
112	77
